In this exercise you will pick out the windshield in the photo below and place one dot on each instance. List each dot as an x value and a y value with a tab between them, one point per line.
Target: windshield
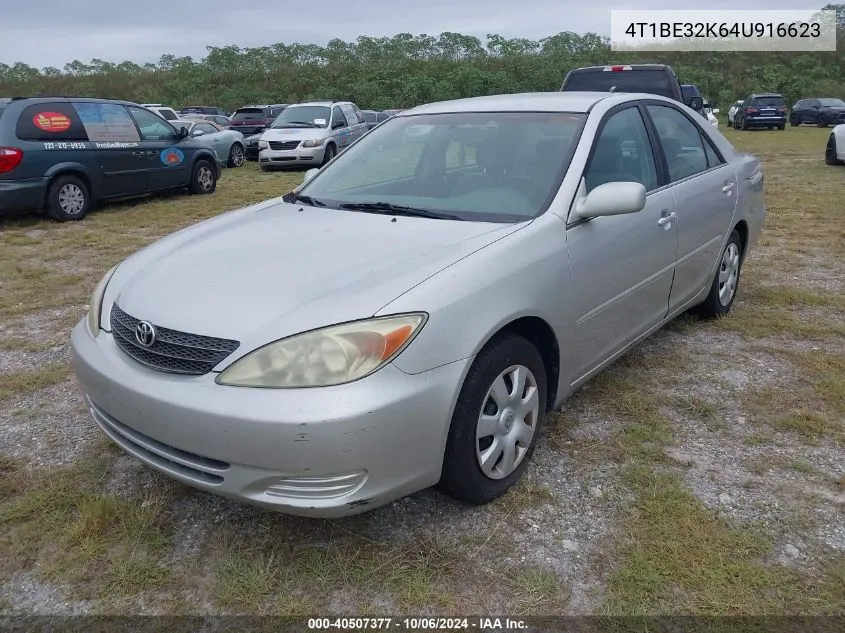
826	103
650	81
773	101
484	167
248	114
303	116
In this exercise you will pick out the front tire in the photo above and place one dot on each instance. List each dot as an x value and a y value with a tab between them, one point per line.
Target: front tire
830	151
725	281
236	155
68	199
496	423
329	153
203	178
821	121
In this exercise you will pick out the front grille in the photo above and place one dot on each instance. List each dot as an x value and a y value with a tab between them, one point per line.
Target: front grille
172	351
284	144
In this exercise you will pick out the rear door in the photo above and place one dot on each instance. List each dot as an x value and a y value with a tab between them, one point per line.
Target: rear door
357	125
207	133
167	165
117	147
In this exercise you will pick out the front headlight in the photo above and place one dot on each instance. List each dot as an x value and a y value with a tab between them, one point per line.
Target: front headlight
95	305
263	144
312	142
329	356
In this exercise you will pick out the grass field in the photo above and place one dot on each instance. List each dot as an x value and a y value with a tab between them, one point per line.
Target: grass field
703	473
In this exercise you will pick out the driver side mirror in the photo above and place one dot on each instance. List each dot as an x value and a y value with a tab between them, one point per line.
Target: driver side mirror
612	198
196	133
696	103
338	124
310	174
183	132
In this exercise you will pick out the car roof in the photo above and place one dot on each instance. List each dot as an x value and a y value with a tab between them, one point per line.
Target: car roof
521	102
323	102
630	66
765	94
69	99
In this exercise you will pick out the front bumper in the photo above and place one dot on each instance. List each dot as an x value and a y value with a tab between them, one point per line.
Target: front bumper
323	452
312	156
251	151
25	194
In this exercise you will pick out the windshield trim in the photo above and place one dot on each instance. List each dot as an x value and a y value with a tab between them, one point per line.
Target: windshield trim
495	218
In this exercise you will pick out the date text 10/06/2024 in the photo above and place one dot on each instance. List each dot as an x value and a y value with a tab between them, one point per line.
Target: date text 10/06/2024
491	624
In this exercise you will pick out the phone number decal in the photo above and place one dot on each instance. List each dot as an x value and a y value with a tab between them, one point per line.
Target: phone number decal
65	145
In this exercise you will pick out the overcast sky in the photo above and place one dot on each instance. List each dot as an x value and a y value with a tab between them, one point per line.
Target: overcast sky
55	32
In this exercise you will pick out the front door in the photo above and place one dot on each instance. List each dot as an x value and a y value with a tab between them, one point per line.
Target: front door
622	265
167	163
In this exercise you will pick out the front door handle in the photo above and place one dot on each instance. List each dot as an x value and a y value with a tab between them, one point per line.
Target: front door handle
728	186
666	219
138	154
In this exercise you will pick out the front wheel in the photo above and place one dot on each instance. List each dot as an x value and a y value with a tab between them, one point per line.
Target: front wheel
236	155
329	153
725	281
821	121
203	178
496	422
68	199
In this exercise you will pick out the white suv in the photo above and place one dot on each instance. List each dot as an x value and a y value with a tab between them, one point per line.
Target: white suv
168	114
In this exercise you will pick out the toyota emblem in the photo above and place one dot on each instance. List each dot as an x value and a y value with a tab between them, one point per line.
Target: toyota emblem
145	333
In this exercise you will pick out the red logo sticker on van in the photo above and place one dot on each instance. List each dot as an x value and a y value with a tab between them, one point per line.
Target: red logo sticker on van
51	121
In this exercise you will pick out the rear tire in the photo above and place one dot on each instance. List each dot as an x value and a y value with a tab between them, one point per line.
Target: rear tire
782	127
236	155
203	178
725	282
502	401
830	151
68	199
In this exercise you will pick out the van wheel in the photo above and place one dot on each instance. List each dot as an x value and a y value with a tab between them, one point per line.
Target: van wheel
203	178
68	199
331	152
496	423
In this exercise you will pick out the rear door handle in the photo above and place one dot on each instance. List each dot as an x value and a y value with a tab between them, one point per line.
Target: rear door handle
137	153
666	219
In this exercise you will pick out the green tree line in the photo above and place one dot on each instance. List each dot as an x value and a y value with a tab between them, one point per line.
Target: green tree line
406	70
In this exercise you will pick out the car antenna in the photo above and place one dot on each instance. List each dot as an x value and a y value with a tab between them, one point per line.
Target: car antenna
612	89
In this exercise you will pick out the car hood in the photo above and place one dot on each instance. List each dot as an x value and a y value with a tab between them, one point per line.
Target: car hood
294	133
276	269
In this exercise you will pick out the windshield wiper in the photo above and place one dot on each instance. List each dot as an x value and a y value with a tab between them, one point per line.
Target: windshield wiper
388	208
308	123
295	197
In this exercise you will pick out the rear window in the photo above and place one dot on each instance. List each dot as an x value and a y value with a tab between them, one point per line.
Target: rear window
169	115
775	101
248	114
649	81
50	122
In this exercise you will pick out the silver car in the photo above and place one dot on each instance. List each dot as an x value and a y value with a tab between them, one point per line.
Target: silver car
229	144
408	314
310	133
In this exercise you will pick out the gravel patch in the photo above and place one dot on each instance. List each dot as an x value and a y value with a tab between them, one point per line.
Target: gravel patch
31	597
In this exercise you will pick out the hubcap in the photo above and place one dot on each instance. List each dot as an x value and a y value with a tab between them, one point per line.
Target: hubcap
507	422
205	178
71	199
728	274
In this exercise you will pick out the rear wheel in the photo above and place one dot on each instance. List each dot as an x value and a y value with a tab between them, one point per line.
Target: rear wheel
236	155
725	282
68	199
496	423
203	178
821	120
830	151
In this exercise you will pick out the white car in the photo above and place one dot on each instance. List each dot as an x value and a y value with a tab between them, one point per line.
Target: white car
834	153
166	113
732	112
711	113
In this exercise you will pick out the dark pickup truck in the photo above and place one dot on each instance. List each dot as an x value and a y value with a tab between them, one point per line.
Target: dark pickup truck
656	79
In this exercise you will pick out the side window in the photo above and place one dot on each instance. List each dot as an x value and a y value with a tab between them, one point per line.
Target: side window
381	116
622	153
109	122
50	122
153	128
350	114
681	142
713	158
337	115
205	128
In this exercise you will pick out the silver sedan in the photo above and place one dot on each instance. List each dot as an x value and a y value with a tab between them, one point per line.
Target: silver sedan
408	315
229	144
